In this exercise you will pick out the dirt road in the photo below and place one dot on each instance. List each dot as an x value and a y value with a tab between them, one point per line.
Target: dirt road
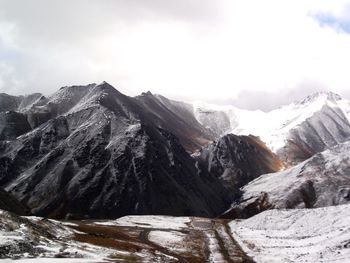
200	240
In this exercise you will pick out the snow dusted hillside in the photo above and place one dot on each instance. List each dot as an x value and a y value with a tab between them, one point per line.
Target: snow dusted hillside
321	119
297	235
92	152
19	103
323	180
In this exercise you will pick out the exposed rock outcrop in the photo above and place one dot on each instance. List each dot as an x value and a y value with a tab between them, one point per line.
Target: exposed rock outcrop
321	181
237	160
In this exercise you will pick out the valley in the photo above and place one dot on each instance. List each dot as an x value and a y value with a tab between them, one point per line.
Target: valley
89	174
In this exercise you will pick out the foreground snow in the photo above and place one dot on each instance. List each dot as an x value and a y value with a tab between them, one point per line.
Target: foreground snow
298	235
128	239
26	238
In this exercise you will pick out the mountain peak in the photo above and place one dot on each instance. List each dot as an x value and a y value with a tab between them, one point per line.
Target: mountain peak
327	95
105	85
78	86
148	93
106	88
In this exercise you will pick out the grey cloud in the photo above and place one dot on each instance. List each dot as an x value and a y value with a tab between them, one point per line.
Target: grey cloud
45	32
56	20
267	100
53	44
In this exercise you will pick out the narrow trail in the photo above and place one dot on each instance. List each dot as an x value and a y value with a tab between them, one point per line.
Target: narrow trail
224	248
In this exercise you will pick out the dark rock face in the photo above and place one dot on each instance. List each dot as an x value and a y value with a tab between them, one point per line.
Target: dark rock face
326	128
237	160
177	117
11	204
8	103
248	209
102	156
18	103
323	180
12	125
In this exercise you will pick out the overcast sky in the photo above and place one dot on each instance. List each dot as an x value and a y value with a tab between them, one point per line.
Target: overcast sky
256	54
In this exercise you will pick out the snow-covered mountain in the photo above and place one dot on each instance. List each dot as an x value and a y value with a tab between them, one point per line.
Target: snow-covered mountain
295	131
19	114
94	152
323	180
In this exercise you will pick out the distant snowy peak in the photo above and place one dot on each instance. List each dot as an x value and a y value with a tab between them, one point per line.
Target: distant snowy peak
217	118
325	114
322	95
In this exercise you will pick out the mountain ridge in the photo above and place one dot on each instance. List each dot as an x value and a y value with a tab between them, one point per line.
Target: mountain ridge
100	155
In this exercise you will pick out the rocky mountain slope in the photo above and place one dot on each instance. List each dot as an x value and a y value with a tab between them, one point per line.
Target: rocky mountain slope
10	203
19	114
18	103
237	160
295	132
323	180
94	152
178	118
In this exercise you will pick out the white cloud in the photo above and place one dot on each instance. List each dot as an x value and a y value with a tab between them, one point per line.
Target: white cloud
195	49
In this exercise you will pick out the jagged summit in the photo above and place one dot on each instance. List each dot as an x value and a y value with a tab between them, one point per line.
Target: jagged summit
82	90
321	95
148	93
105	86
78	86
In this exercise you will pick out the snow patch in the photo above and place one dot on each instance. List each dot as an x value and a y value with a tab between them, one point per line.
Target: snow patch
173	240
161	222
299	235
